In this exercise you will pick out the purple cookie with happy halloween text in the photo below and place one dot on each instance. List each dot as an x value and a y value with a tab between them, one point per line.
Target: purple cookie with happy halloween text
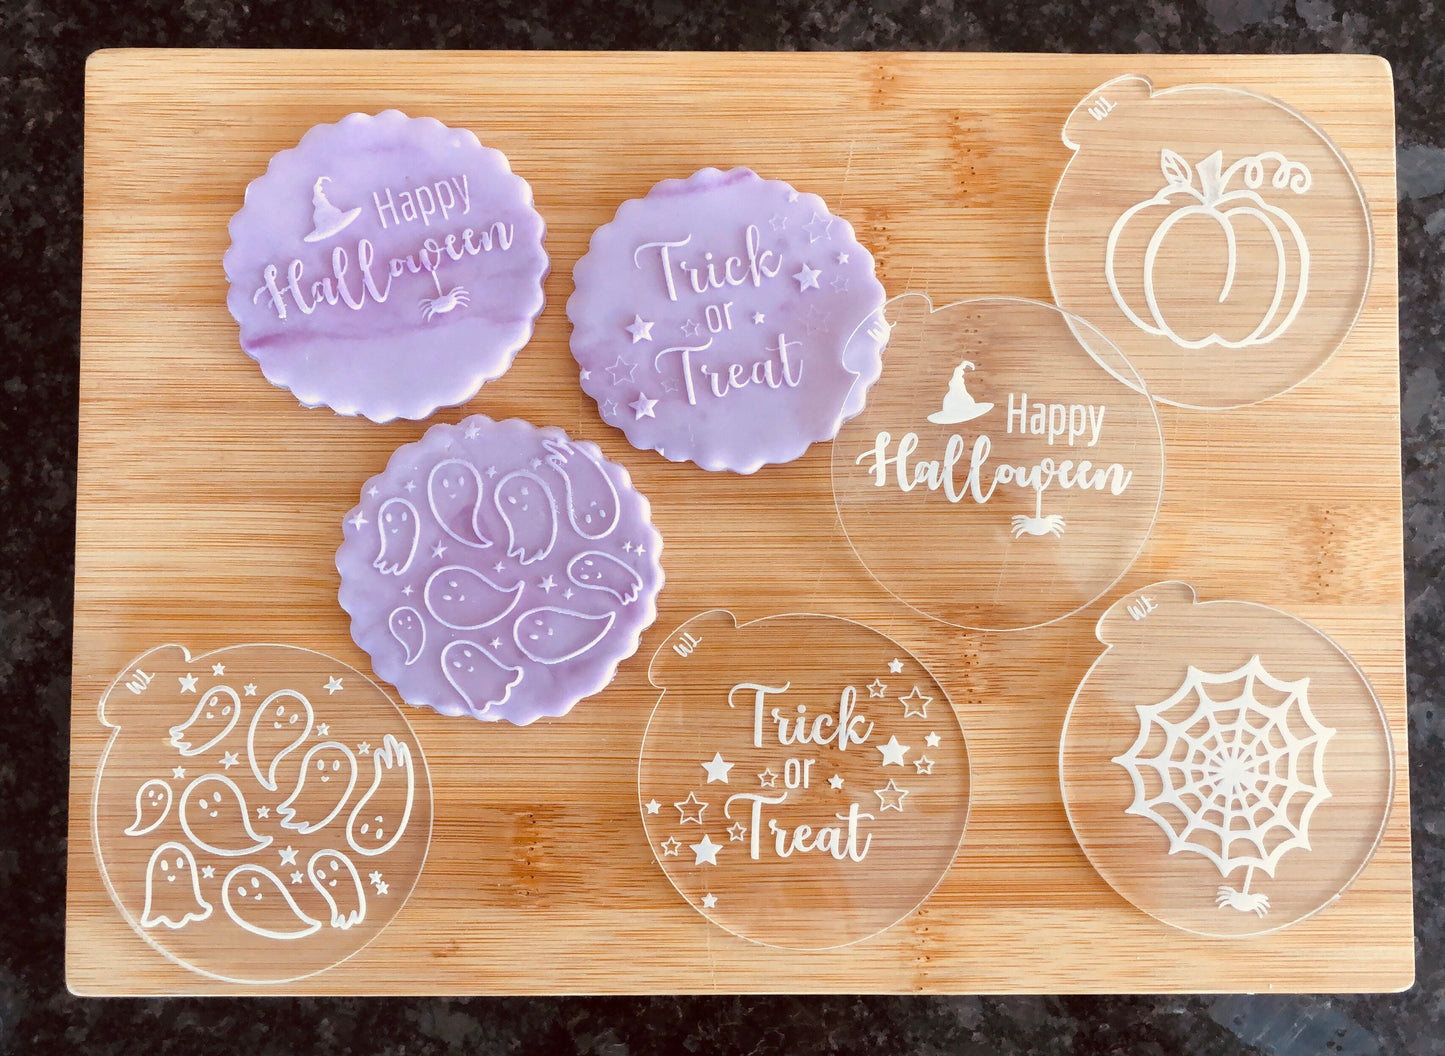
499	570
386	266
711	319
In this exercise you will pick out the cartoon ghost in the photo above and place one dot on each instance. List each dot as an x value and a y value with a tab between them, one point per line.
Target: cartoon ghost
483	681
214	717
464	600
332	874
152	805
214	817
328	774
598	571
281	723
591	499
377	822
398	528
530	514
406	626
256	899
550	635
454	490
173	888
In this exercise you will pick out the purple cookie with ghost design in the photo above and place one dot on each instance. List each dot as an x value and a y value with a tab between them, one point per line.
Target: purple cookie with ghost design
711	320
386	266
499	570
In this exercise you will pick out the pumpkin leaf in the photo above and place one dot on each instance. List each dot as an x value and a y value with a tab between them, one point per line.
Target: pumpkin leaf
1176	170
1211	177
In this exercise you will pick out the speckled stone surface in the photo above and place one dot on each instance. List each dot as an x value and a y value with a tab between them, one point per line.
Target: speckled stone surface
41	77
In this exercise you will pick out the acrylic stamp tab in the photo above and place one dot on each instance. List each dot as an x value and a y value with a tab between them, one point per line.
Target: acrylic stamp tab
261	812
804	781
386	266
1001	475
1215	235
499	570
710	319
1225	766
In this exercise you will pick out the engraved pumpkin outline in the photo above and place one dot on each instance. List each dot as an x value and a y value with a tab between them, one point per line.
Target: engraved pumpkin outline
1214	200
1096	106
175	651
1189	597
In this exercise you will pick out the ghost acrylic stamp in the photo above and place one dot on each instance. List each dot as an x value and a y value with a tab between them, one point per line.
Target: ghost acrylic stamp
1001	475
1225	766
710	319
804	781
1215	235
499	570
386	266
261	812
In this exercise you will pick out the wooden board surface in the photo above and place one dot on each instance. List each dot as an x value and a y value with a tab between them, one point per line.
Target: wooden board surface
209	506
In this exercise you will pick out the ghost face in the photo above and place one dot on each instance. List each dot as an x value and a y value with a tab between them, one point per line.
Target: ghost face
173	889
215	716
332	874
328	774
281	723
398	529
255	899
152	805
406	626
215	818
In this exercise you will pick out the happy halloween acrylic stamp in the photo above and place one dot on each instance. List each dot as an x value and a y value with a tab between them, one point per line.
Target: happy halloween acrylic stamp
260	812
499	570
386	266
1001	475
710	320
1225	766
804	781
1215	235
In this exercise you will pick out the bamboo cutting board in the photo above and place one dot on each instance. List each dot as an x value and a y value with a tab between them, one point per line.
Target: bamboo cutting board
210	503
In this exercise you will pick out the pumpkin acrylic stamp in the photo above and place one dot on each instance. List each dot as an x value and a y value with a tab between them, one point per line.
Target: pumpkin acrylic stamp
804	781
1225	766
1216	236
260	812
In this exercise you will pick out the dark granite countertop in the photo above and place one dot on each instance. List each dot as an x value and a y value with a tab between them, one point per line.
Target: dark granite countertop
42	52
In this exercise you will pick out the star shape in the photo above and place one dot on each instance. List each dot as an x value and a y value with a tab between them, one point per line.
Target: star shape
653	806
717	769
586	375
547	585
188	683
410	486
229	760
639	549
364	748
670	847
643	407
218	669
876	688
759	318
491	472
893	752
835	782
473	431
263	812
372	491
568	593
691	809
496	643
690	328
407	590
621	371
807	278
333	685
915	704
779	222
358	520
890	797
500	566
438	550
923	764
296	878
709	900
736	831
609	409
895	667
668	385
323	730
288	856
792	195
932	740
768	779
179	772
250	688
627	546
383	888
208	871
839	283
374	877
536	464
705	850
841	258
818	227
641	330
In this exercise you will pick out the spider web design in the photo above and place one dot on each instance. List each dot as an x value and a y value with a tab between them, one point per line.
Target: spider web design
1231	767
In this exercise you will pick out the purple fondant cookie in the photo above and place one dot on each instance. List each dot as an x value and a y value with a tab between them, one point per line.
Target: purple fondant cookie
499	570
386	266
711	317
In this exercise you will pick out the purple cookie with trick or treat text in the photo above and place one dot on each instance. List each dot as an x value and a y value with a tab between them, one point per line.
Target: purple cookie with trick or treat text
499	570
711	320
386	266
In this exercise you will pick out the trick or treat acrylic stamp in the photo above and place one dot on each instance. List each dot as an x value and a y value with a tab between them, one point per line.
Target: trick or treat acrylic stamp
804	781
499	570
1215	235
1001	475
386	266
710	320
1225	766
260	812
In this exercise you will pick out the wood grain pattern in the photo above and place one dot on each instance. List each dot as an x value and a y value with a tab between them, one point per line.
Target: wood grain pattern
209	505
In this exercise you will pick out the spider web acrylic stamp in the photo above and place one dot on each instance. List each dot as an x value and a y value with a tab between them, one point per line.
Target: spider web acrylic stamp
804	781
1000	476
1215	235
1225	766
386	266
260	812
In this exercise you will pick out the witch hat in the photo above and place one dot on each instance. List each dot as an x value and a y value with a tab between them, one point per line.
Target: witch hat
326	219
958	405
